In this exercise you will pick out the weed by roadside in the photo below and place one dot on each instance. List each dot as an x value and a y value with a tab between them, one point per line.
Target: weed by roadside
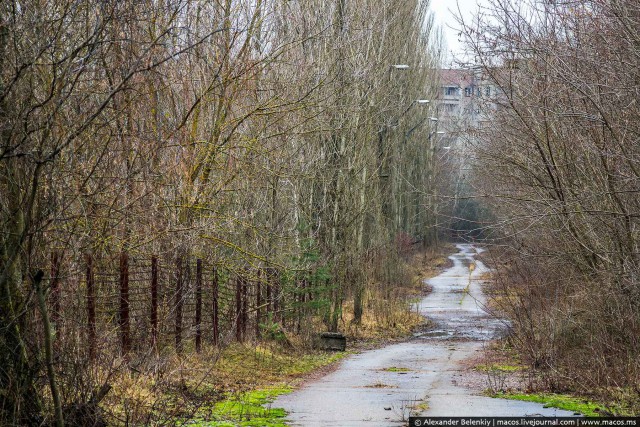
575	404
210	386
235	385
511	372
244	409
391	311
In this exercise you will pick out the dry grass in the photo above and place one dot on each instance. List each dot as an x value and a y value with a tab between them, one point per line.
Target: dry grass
170	387
381	385
587	358
390	312
173	387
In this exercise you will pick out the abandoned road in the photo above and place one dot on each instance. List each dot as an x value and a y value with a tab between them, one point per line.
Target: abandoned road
383	387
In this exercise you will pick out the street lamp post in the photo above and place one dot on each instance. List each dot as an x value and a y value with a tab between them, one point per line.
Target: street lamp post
399	67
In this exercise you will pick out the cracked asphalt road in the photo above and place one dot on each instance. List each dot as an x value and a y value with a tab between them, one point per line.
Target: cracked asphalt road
363	391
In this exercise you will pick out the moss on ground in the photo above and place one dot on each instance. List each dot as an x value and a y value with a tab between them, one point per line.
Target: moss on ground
246	409
560	401
229	387
226	387
249	405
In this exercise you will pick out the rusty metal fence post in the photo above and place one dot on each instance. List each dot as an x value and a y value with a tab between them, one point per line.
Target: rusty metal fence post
55	287
178	304
245	300
154	301
238	309
124	303
198	305
275	295
91	306
215	308
269	295
258	303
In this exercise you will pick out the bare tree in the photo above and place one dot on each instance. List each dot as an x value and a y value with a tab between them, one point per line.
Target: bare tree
262	134
559	162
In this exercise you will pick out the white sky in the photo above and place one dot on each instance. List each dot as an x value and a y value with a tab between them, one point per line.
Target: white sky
444	11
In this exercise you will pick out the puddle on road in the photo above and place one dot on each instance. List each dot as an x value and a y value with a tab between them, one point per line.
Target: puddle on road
360	389
460	328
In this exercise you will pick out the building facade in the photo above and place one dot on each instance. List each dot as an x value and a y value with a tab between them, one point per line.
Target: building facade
465	99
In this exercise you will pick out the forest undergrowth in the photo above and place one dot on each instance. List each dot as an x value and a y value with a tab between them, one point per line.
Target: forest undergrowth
229	384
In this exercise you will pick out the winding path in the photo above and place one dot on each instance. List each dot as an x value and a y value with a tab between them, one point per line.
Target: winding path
364	391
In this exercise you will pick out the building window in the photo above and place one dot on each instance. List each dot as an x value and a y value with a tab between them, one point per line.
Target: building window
468	91
450	91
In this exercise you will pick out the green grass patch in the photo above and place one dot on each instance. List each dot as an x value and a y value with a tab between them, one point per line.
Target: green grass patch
251	379
247	409
560	401
396	369
420	407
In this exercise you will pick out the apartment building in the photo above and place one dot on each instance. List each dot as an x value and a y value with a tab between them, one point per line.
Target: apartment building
465	99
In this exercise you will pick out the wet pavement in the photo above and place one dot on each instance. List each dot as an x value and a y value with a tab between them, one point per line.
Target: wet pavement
383	387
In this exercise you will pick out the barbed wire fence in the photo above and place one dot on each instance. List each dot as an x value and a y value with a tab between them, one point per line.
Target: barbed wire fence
129	305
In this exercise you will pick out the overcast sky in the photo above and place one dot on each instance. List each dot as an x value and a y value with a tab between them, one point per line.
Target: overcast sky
444	14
